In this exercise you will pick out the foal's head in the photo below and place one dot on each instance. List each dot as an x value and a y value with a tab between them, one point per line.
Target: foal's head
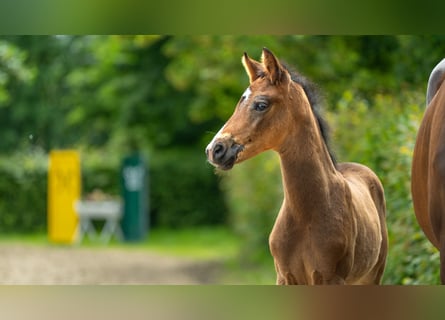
272	107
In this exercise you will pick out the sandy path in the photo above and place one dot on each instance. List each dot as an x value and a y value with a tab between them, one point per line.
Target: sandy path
33	264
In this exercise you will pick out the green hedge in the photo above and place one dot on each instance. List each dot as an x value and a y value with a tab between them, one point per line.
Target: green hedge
183	189
254	195
23	193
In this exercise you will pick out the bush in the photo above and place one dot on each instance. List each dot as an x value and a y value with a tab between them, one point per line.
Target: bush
23	192
254	195
24	184
100	170
184	190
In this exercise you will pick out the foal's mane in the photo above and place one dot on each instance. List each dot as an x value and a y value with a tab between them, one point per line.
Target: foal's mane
315	100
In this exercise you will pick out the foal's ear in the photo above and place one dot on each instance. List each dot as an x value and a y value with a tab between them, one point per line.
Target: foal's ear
253	68
276	72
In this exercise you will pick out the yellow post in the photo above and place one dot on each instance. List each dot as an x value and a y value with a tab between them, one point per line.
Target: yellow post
64	187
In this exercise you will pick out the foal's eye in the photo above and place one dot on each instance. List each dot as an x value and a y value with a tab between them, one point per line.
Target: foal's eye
260	105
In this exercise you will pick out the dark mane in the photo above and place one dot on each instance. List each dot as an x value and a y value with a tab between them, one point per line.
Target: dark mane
315	100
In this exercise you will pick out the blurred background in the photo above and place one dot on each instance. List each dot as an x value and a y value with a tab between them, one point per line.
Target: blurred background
165	97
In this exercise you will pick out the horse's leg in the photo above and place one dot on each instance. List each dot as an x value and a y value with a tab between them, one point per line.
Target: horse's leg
436	202
442	261
439	234
281	280
380	266
319	279
375	276
437	217
288	279
379	274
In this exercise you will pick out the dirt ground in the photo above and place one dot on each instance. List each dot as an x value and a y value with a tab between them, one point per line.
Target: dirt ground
41	265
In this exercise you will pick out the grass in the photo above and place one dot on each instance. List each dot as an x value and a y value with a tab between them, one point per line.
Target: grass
198	243
32	238
259	272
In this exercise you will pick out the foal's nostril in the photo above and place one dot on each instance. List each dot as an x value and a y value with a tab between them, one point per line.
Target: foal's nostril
218	151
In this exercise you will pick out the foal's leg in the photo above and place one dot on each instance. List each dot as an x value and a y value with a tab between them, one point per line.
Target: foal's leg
281	281
379	275
380	266
319	279
287	279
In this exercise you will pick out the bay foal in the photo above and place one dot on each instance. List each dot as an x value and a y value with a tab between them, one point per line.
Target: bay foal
331	227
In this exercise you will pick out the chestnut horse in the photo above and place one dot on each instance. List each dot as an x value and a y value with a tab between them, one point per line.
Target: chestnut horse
331	227
428	167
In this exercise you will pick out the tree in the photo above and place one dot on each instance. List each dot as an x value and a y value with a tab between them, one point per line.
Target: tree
14	72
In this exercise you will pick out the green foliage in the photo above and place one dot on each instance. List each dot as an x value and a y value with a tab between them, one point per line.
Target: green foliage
12	69
254	195
23	192
100	171
177	198
23	188
184	190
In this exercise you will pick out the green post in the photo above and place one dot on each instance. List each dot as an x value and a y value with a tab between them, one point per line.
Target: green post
134	182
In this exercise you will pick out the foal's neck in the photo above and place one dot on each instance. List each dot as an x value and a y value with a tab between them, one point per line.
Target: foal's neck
307	169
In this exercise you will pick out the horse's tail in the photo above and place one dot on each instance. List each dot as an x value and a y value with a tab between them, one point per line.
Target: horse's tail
436	78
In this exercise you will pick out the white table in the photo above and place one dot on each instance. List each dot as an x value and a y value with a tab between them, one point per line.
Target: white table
109	211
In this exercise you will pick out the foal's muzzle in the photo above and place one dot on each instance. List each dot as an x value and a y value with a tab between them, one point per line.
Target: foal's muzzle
223	153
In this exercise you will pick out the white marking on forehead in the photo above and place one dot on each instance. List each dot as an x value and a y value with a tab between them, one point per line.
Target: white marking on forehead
247	93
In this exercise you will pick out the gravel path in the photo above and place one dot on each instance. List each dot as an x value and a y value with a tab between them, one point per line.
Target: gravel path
36	265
